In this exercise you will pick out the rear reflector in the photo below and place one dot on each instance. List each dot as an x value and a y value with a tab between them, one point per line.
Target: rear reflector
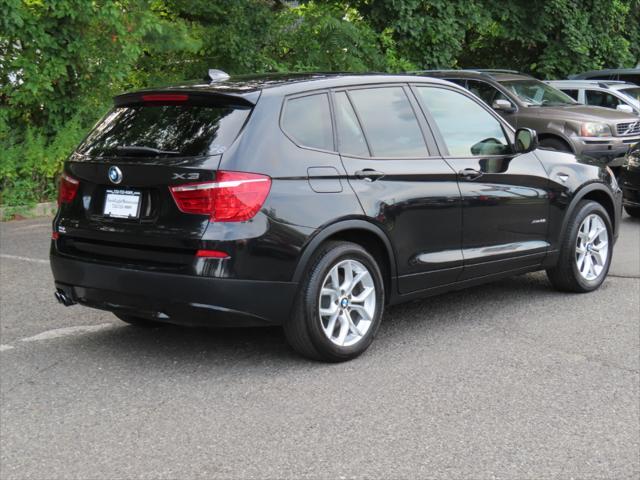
67	189
55	235
165	98
211	254
233	197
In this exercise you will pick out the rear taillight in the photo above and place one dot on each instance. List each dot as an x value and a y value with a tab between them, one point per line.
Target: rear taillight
211	254
233	197
67	189
165	98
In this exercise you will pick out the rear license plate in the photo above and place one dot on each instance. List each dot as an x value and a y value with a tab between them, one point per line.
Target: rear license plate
122	204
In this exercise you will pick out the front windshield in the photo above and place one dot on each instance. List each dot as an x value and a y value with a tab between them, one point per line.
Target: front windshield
535	93
634	93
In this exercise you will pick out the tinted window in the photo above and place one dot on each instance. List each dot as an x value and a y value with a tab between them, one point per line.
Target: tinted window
389	122
467	128
633	93
535	93
485	91
308	121
601	99
165	130
349	132
572	93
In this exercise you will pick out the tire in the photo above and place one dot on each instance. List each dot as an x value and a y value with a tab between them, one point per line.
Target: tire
566	275
308	331
555	144
138	321
633	211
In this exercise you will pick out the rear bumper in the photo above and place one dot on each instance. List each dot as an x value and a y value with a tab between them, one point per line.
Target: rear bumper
173	298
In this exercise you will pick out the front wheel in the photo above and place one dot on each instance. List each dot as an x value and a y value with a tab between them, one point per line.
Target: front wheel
586	249
339	306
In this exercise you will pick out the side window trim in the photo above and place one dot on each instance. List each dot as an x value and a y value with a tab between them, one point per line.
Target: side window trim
435	149
427	132
442	145
283	109
358	119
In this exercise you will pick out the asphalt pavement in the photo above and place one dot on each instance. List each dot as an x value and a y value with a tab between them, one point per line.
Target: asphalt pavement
511	380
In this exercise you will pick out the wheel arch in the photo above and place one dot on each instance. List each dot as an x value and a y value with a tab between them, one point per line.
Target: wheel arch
597	193
556	136
371	237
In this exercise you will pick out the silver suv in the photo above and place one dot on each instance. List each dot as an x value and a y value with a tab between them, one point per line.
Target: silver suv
561	122
621	96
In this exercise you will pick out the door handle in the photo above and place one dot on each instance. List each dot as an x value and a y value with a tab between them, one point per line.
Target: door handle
470	173
368	174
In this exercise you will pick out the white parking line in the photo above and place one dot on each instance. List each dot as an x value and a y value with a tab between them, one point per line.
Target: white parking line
24	259
66	332
4	348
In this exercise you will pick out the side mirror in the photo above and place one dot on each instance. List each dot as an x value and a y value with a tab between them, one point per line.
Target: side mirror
625	108
503	105
526	140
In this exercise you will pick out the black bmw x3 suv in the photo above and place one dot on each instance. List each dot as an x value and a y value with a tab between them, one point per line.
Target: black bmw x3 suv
314	201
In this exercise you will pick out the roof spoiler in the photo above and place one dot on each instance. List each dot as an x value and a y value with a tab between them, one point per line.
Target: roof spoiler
178	96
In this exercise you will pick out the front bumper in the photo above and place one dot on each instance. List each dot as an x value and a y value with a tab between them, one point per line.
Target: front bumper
611	149
173	298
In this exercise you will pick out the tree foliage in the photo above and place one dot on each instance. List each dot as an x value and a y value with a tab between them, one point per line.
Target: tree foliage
62	60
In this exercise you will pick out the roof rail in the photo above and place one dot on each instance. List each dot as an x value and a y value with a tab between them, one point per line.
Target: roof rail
497	70
599	83
440	70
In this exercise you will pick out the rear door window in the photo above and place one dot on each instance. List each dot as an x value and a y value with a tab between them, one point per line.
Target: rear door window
601	99
389	122
165	131
572	93
307	120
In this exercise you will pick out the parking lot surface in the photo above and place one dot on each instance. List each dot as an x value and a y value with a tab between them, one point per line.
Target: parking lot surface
510	380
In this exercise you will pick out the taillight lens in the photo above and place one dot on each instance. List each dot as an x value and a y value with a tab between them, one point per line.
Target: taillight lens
233	197
165	98
67	189
211	254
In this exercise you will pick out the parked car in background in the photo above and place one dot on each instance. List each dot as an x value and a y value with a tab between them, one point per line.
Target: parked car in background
313	202
623	74
560	121
630	182
613	94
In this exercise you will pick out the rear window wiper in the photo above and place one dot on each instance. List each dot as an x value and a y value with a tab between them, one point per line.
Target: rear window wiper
144	151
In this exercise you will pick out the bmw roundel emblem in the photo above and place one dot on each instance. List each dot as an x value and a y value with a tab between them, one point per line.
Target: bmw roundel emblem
115	175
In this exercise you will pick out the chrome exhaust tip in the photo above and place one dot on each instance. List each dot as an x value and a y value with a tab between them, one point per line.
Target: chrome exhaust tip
63	298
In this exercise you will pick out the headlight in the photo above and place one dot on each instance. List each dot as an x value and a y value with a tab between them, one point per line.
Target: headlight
595	130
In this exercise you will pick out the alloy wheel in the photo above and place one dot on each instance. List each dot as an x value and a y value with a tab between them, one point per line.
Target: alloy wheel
347	303
592	247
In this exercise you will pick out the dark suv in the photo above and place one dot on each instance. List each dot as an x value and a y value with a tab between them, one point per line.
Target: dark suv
314	201
561	123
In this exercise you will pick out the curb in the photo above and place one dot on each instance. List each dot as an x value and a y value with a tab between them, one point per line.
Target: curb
39	210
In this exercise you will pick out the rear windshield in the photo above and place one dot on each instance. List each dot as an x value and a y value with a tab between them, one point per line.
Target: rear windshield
165	131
